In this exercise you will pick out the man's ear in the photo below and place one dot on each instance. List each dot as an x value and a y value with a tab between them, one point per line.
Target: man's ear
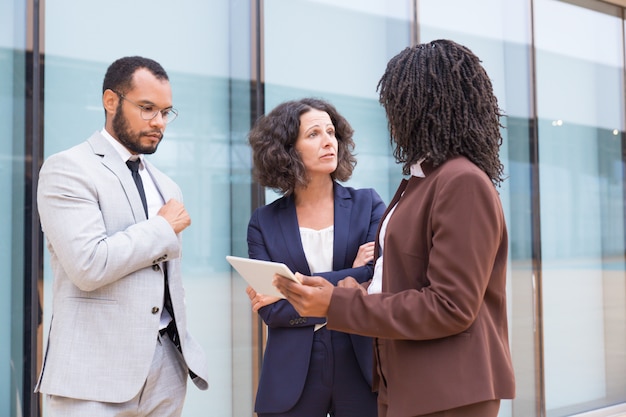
110	101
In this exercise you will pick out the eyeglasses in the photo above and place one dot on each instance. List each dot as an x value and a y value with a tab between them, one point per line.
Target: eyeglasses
149	112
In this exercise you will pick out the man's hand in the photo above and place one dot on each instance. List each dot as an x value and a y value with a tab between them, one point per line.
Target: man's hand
364	255
174	212
259	300
311	298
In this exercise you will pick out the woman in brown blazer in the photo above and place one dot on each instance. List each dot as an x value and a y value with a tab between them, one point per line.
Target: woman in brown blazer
436	305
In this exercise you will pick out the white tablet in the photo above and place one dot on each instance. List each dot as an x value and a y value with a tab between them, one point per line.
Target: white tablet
260	274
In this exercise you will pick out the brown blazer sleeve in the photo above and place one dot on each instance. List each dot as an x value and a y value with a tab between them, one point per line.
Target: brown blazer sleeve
441	320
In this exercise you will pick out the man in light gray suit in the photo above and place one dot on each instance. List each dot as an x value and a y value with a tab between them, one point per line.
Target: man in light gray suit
118	343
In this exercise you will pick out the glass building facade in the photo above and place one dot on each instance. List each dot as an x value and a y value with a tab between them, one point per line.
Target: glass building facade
557	67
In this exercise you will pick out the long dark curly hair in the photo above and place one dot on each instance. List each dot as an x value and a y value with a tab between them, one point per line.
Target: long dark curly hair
277	163
440	103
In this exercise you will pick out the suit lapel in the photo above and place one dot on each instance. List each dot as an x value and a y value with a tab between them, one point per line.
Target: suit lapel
288	226
343	210
391	205
112	161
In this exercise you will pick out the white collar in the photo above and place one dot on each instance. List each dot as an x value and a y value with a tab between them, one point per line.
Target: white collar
121	149
416	169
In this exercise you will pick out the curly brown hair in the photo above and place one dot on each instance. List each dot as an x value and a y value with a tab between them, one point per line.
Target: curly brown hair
440	103
277	164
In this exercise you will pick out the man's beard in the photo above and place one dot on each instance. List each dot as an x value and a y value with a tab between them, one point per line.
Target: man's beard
129	139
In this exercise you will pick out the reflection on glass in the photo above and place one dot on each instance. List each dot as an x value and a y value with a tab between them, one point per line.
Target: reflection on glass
13	359
579	73
203	151
497	31
334	65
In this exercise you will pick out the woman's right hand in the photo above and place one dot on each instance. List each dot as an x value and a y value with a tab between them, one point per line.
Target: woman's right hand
259	300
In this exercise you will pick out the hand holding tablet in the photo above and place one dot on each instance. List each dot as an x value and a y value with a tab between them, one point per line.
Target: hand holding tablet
260	274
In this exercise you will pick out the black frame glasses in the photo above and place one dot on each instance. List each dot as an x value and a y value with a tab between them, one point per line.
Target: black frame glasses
149	111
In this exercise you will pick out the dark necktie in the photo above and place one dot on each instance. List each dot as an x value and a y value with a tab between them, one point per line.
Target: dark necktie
134	169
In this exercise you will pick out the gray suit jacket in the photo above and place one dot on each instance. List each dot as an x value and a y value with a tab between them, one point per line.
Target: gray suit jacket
108	286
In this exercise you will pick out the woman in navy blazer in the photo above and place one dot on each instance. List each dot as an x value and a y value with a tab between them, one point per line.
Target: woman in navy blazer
437	303
301	149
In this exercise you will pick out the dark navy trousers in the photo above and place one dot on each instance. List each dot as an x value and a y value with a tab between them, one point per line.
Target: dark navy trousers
334	385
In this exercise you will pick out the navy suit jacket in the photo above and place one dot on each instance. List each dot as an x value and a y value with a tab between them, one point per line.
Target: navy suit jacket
274	235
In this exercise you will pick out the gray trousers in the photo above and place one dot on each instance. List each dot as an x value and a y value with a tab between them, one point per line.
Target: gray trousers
163	393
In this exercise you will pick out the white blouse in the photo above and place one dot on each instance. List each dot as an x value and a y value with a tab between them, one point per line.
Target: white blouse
318	249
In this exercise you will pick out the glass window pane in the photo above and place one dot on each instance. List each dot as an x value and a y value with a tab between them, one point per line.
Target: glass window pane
203	151
322	54
12	183
580	108
337	50
497	32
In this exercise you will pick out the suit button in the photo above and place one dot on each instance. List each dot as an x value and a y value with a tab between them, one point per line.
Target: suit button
156	268
155	310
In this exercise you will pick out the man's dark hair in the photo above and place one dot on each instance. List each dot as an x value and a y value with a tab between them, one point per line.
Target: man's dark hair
277	164
119	75
440	103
